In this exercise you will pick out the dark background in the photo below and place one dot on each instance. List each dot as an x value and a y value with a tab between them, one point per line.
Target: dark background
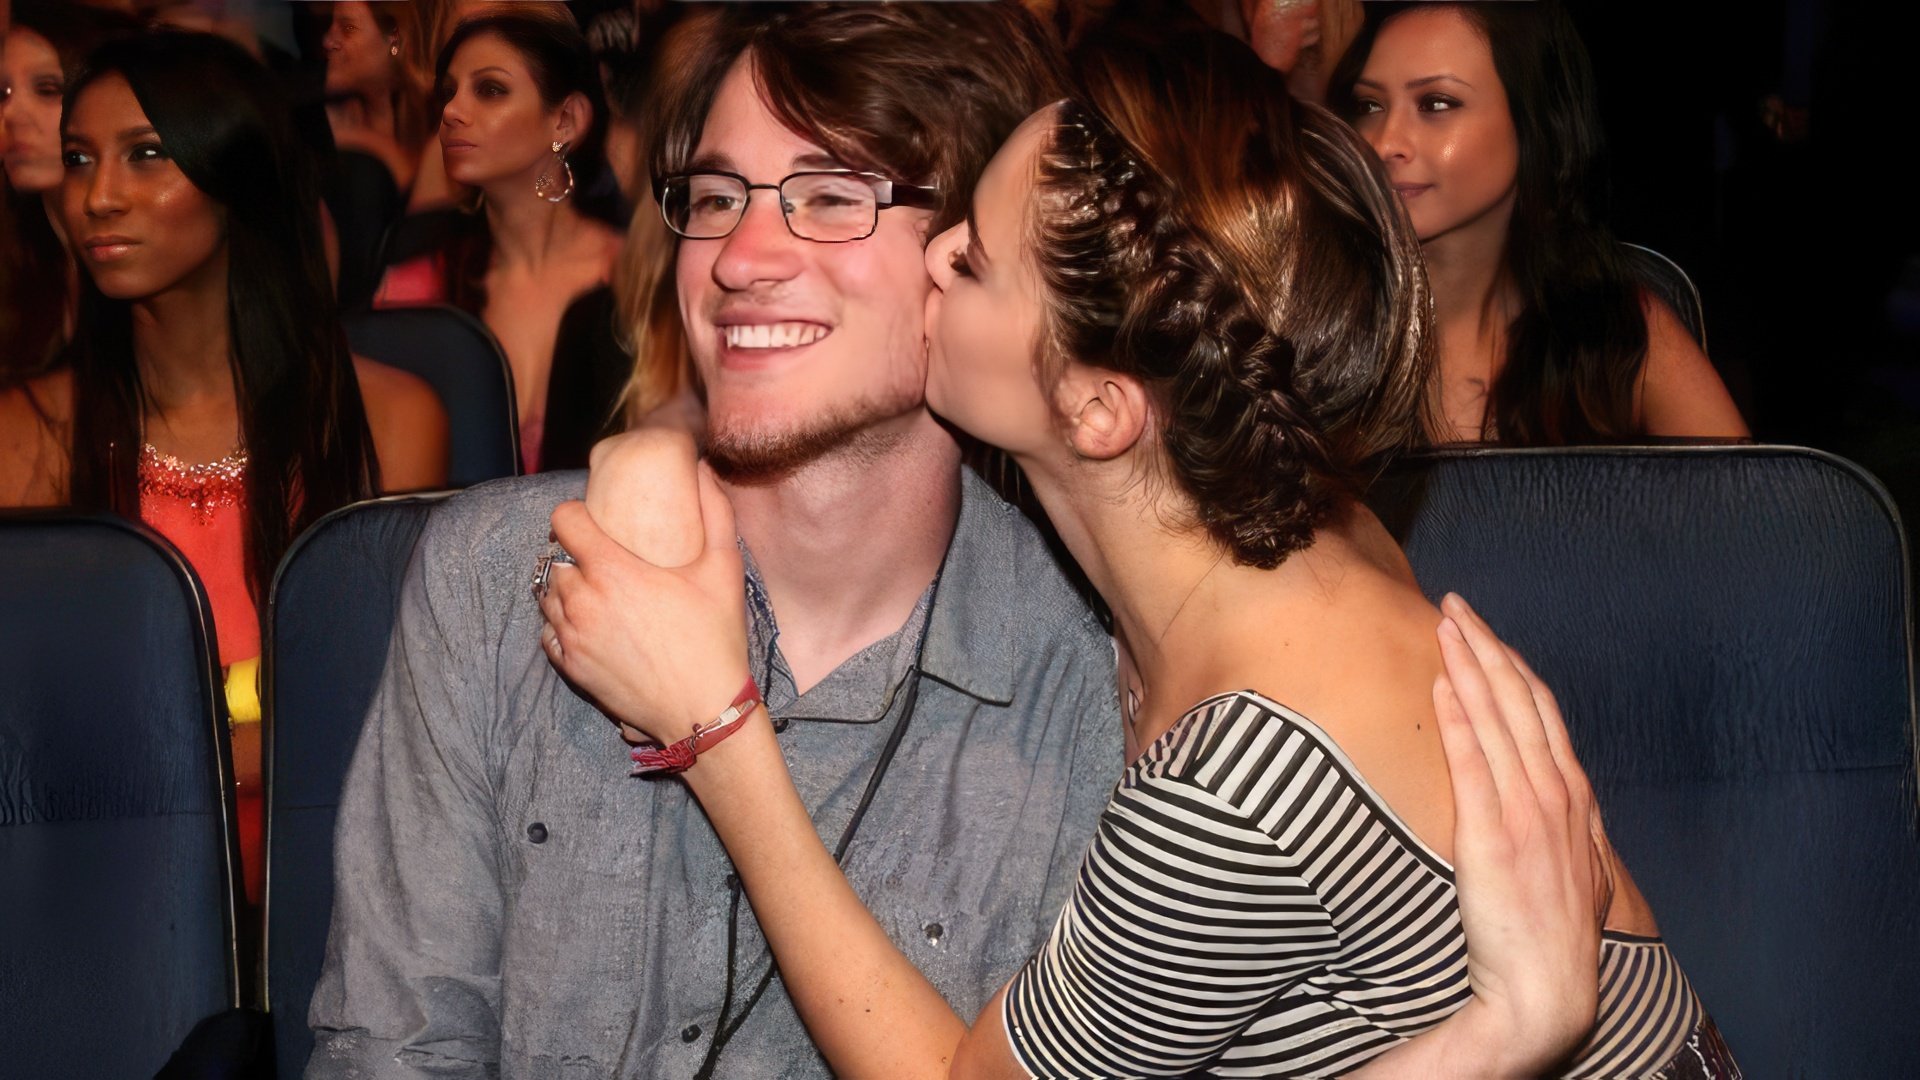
1759	144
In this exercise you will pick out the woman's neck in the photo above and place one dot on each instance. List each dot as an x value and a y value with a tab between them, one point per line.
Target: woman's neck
1467	270
528	231
182	345
1179	600
372	112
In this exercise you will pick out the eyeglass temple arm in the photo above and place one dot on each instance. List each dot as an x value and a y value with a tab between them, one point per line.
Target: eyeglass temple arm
920	198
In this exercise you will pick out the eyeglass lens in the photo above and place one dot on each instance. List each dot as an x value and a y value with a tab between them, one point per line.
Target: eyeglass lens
828	207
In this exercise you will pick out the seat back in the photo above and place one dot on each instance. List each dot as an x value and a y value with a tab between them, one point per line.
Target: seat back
118	855
457	355
365	202
1672	285
329	617
1728	631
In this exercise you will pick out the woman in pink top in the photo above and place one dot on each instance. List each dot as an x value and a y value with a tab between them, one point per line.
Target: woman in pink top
206	389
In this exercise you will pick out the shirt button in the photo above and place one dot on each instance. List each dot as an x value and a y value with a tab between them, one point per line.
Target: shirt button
691	1033
934	932
537	832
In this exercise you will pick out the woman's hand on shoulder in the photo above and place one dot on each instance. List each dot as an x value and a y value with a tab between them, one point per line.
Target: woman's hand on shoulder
1531	868
1531	863
658	649
409	427
1681	393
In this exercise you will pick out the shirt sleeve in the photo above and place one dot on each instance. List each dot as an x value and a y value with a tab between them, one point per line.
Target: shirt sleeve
410	985
1186	922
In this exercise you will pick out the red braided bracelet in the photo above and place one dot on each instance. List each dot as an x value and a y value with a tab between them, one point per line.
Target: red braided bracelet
678	757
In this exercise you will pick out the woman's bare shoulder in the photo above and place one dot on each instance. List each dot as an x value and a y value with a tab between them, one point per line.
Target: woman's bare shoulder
409	426
1681	393
36	418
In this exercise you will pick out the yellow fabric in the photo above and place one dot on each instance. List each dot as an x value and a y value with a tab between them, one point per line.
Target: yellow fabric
243	691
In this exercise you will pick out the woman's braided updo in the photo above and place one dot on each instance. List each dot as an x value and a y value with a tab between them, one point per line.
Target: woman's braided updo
1240	254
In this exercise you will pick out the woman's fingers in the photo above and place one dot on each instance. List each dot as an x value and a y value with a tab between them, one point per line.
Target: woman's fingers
1476	799
1518	706
1556	728
1476	700
581	536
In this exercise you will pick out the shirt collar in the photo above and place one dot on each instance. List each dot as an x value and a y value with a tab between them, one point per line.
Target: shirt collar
969	632
971	629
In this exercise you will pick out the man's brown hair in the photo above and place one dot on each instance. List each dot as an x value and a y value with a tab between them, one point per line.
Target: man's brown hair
917	93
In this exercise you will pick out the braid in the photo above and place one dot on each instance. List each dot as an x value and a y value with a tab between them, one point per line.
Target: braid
1237	253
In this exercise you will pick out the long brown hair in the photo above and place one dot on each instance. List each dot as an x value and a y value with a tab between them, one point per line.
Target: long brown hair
1239	253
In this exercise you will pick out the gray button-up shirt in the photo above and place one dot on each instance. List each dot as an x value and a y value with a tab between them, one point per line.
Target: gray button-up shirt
510	902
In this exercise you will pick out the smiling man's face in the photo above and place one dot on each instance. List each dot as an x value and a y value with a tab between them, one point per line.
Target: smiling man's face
805	348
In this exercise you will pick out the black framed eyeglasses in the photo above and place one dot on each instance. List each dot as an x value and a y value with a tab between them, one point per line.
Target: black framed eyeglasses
825	206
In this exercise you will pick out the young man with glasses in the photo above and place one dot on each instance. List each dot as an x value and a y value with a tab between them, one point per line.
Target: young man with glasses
509	900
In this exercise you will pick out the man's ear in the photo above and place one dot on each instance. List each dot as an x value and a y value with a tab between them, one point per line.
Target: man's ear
1107	413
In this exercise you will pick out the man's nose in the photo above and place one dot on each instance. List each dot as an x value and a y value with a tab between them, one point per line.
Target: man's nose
761	247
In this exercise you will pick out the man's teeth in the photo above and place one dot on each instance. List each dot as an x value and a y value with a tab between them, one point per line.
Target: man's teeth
784	335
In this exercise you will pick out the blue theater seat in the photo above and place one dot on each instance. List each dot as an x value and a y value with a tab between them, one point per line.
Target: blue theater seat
1729	632
118	857
457	355
329	617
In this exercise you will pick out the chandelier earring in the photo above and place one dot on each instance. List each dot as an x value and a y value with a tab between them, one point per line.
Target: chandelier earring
544	185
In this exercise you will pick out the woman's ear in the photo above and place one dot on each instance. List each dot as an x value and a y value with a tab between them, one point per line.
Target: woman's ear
576	119
1107	413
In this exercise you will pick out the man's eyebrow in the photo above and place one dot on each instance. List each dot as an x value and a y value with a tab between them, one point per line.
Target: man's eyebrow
711	161
814	159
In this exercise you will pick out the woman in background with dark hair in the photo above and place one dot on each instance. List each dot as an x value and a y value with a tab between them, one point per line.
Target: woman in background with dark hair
46	43
207	390
1484	116
522	123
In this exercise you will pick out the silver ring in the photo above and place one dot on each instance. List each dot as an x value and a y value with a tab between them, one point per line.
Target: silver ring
543	568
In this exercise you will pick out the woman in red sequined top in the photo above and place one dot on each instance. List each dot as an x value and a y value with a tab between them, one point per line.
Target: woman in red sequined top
208	389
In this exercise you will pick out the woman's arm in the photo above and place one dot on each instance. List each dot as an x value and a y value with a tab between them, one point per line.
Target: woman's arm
678	662
36	419
1681	394
675	664
409	427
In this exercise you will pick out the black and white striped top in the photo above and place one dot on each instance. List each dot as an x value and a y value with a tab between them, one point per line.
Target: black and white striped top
1250	907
